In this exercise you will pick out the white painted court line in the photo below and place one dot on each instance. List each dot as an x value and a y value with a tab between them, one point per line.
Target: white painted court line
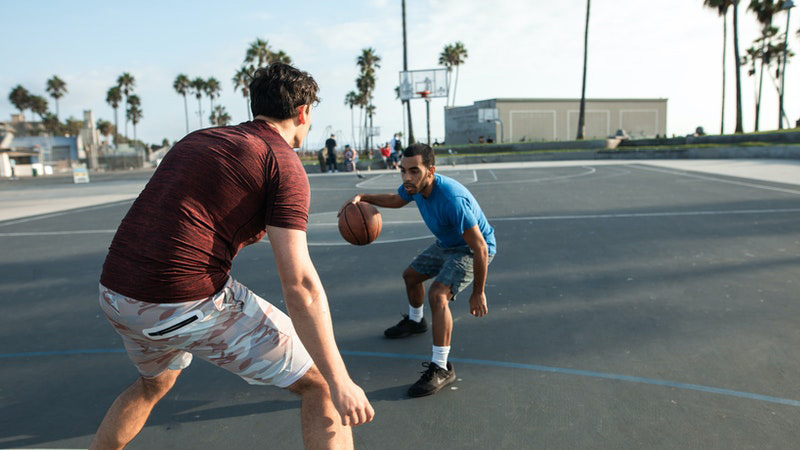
652	214
491	220
720	180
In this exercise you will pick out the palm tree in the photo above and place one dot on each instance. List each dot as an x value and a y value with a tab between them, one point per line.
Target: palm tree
764	10
219	116
105	128
737	58
134	112
38	106
199	88
20	98
51	124
367	61
258	53
459	55
722	8
56	87
446	59
242	80
351	100
212	89
113	97
280	57
182	85
582	112
126	83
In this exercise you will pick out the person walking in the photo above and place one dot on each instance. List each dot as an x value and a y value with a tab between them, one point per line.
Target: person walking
166	285
465	246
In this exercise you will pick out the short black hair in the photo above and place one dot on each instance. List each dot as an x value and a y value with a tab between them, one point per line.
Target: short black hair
278	89
428	157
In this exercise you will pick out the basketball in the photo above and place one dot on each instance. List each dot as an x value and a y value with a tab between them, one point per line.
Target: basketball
360	223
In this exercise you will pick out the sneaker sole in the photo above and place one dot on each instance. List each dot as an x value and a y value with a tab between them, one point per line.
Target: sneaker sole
410	333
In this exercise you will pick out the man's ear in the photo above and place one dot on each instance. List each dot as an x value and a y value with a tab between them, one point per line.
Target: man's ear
302	114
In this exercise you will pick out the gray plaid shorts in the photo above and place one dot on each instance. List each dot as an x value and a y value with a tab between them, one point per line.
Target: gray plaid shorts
451	266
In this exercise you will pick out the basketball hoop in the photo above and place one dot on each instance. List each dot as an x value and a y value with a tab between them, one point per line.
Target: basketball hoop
424	94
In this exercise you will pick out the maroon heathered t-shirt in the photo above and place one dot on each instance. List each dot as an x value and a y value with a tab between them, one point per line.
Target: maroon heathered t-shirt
215	192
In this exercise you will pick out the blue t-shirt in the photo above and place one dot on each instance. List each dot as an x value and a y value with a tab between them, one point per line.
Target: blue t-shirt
449	211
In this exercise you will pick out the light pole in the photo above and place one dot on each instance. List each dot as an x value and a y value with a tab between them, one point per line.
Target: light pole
787	5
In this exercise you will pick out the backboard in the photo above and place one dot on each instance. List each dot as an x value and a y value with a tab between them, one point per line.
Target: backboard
414	82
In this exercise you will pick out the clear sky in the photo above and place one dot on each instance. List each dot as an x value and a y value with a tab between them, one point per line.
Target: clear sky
534	48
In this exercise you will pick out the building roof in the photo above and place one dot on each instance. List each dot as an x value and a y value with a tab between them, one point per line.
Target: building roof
595	100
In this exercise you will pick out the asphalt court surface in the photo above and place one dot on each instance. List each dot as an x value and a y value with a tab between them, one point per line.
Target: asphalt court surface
631	305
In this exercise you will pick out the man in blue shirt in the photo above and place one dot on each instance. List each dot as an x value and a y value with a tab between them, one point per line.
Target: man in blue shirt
464	247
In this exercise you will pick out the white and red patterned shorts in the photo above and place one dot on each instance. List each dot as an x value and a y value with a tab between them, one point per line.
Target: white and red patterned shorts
233	329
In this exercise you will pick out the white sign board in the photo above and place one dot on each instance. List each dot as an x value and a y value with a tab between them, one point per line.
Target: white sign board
80	175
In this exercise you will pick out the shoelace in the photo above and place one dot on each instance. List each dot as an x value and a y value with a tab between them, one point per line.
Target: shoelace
430	370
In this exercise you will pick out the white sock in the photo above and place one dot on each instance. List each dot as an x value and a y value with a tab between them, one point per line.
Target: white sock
415	314
440	356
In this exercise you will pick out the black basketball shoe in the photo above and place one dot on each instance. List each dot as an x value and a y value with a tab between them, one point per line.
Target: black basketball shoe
432	380
406	327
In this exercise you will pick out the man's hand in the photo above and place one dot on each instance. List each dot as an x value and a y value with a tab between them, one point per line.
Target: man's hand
352	404
477	304
354	200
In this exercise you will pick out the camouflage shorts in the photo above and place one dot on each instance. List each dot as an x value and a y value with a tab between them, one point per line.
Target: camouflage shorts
233	329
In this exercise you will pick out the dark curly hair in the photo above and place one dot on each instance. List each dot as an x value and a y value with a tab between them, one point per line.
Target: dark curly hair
278	89
428	157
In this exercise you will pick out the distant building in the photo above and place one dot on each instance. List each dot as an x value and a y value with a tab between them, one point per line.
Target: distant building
30	153
528	119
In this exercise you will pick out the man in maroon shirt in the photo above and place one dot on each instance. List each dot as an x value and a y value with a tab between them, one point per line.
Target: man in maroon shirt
166	287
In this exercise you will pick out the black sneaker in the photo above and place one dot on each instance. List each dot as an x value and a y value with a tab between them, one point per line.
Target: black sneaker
406	327
432	380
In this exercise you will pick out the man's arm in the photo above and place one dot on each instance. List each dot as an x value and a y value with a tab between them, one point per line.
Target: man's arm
308	308
477	301
382	200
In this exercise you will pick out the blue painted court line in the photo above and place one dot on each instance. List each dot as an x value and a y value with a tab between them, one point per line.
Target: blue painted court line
585	373
483	362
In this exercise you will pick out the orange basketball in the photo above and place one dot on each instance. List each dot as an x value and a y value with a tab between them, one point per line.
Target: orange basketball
360	223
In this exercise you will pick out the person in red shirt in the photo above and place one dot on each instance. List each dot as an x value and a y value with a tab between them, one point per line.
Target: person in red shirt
166	285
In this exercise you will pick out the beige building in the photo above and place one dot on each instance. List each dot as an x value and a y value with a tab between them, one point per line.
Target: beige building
525	120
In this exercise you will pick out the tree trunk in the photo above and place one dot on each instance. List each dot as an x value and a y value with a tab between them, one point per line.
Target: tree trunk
739	128
352	129
455	86
186	112
724	53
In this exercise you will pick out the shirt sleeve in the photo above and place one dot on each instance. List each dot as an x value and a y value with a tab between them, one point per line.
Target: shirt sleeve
289	194
401	191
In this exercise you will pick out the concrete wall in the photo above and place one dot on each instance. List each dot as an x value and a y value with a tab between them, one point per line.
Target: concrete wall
525	120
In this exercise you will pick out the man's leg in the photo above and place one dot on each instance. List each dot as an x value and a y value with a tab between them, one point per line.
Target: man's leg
321	424
130	410
441	318
439	372
414	322
414	287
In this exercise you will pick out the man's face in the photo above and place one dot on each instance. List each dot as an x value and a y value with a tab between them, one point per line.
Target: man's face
416	177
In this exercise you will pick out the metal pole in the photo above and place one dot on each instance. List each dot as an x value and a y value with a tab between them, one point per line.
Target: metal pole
428	114
581	123
788	5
